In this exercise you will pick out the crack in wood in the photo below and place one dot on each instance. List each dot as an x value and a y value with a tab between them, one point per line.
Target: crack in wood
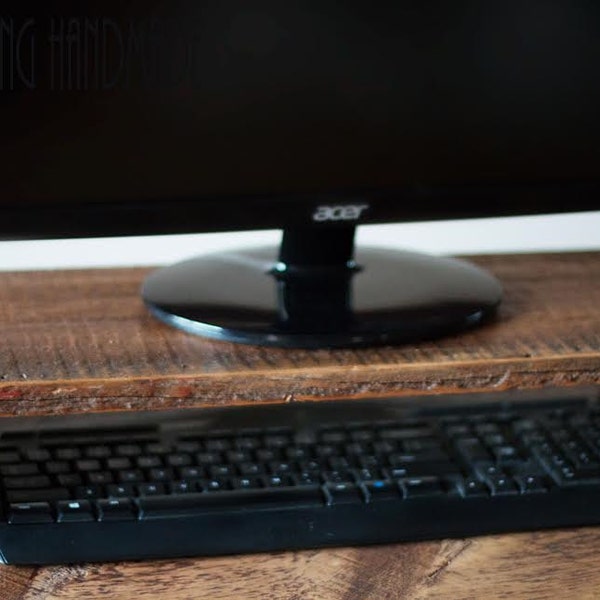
450	551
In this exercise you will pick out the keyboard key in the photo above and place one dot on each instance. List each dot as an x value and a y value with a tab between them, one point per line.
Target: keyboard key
306	479
67	454
356	448
277	440
237	456
505	454
314	466
280	467
31	481
333	437
120	490
116	509
131	476
422	487
472	449
148	462
183	487
362	435
159	475
193	504
367	474
244	483
160	449
29	512
247	443
277	481
486	469
420	469
384	447
56	467
88	465
37	454
396	472
338	476
344	493
221	470
496	439
297	453
150	489
326	450
214	485
249	469
217	445
458	430
37	495
128	450
474	488
502	486
567	477
69	479
531	484
398	459
338	463
209	458
192	472
524	425
178	460
580	457
74	510
382	490
8	457
98	477
485	429
97	452
370	461
265	455
89	491
19	469
405	433
420	445
118	463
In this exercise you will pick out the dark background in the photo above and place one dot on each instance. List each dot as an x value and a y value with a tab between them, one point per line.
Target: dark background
248	114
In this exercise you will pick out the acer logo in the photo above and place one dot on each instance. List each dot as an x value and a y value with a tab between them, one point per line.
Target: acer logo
339	212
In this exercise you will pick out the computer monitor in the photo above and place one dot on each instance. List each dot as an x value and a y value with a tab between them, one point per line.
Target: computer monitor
154	117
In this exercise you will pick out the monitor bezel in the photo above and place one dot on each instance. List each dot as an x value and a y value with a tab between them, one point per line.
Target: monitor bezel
52	220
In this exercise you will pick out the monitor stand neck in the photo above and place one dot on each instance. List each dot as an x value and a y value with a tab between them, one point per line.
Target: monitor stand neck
309	292
314	274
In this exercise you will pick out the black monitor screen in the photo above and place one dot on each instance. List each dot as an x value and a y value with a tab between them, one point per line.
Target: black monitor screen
228	112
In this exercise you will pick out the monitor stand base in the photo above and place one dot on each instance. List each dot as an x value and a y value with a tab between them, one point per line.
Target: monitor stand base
289	297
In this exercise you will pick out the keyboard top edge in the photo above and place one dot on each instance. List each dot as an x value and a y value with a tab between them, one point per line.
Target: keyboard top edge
292	414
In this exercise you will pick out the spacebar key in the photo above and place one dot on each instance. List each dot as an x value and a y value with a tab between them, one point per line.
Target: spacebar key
153	507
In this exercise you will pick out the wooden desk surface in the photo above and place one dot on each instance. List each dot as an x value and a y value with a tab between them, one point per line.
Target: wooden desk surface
81	340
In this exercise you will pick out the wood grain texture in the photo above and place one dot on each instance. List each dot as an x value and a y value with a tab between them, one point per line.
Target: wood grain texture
549	565
81	340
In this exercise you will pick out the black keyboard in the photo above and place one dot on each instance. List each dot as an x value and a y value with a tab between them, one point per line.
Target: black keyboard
246	479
